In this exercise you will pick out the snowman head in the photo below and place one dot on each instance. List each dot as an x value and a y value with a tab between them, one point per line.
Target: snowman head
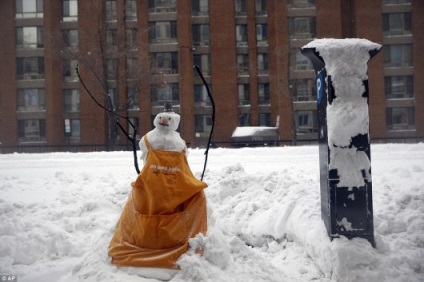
168	120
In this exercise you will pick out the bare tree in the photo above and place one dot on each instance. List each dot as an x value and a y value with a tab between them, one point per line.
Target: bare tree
109	59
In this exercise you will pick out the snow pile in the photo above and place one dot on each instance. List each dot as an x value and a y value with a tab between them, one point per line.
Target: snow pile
347	116
58	212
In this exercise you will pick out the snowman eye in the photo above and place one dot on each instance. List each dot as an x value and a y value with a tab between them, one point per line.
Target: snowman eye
169	118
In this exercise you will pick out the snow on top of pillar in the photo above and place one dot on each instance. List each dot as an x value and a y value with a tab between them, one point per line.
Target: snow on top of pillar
344	57
347	116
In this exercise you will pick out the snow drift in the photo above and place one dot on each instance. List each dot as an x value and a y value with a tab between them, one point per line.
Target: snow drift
58	211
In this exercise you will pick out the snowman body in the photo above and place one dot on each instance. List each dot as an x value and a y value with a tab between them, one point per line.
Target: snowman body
164	136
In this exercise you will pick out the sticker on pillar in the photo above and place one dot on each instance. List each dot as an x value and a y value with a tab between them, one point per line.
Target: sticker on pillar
320	86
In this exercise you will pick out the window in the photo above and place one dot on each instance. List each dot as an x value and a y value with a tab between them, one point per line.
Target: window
32	130
31	100
200	7
166	63
165	93
397	55
304	90
29	37
242	64
241	35
112	69
111	37
162	6
133	68
298	62
111	10
203	61
131	38
73	130
306	122
130	10
302	28
261	34
201	98
398	87
240	7
263	63
301	3
71	98
264	94
132	99
163	32
203	123
69	71
265	119
397	24
29	9
244	119
69	10
260	7
201	35
30	68
400	118
70	38
243	94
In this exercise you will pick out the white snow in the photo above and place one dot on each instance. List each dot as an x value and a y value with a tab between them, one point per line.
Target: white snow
243	131
58	212
347	116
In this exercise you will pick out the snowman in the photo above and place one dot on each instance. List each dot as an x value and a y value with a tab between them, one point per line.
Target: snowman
167	204
164	136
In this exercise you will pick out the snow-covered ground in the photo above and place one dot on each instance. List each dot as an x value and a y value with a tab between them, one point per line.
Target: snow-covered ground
58	212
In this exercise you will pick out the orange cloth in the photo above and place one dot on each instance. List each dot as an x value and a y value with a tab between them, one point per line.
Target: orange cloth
166	208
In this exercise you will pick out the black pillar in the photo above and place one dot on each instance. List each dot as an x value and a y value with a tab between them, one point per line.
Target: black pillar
345	210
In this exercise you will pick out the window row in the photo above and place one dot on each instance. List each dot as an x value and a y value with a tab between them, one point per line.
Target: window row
29	9
395	24
244	119
402	118
262	60
303	90
240	7
395	55
396	87
29	37
243	94
306	122
165	32
111	10
33	100
34	130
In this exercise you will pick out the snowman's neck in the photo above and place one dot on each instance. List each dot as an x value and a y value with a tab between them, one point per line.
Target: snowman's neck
164	130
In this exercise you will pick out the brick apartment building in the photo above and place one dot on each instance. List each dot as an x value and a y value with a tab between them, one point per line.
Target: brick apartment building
140	54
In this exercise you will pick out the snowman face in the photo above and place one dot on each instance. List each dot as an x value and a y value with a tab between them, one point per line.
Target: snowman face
167	121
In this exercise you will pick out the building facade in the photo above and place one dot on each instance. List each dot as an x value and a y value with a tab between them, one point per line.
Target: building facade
133	56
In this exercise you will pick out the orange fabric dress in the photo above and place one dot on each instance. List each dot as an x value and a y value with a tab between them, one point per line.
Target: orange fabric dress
167	207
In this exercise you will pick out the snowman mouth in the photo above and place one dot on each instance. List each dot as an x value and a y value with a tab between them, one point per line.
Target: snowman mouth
164	124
